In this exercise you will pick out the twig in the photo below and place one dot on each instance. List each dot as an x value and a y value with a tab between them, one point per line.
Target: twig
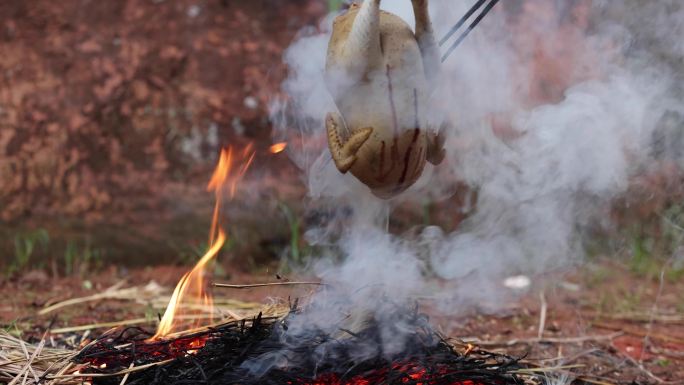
64	369
641	367
80	328
225	314
639	333
594	381
654	309
671	223
570	340
112	292
641	317
115	374
548	369
542	315
573	357
668	352
45	357
27	367
135	321
29	363
125	377
250	286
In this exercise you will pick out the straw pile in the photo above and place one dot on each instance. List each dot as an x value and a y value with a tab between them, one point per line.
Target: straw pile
22	363
51	362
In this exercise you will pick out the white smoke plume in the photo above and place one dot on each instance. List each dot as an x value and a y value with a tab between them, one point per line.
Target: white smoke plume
553	106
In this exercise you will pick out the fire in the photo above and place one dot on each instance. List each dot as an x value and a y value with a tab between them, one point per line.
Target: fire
278	147
405	373
192	287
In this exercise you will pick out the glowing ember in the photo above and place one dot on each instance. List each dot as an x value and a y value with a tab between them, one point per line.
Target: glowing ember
399	373
192	288
469	349
278	147
224	353
154	351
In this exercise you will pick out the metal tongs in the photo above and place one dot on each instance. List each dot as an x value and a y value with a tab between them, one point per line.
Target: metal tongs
462	21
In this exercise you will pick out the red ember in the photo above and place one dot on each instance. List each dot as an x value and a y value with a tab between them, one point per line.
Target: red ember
404	373
161	351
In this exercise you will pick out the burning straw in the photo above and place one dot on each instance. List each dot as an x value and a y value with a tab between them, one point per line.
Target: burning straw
264	351
123	351
230	169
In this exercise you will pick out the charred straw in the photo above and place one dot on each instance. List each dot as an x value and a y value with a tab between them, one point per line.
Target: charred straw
304	358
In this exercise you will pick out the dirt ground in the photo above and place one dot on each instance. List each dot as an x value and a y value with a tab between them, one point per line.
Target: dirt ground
603	323
113	112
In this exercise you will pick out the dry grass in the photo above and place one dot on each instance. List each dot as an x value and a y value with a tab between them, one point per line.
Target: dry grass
24	363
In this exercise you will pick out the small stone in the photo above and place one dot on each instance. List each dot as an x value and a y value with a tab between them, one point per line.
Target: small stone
193	11
517	282
251	102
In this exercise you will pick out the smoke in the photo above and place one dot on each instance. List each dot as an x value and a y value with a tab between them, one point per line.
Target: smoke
552	107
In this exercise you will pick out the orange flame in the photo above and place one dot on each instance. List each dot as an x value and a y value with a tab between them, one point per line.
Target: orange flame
191	289
278	147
